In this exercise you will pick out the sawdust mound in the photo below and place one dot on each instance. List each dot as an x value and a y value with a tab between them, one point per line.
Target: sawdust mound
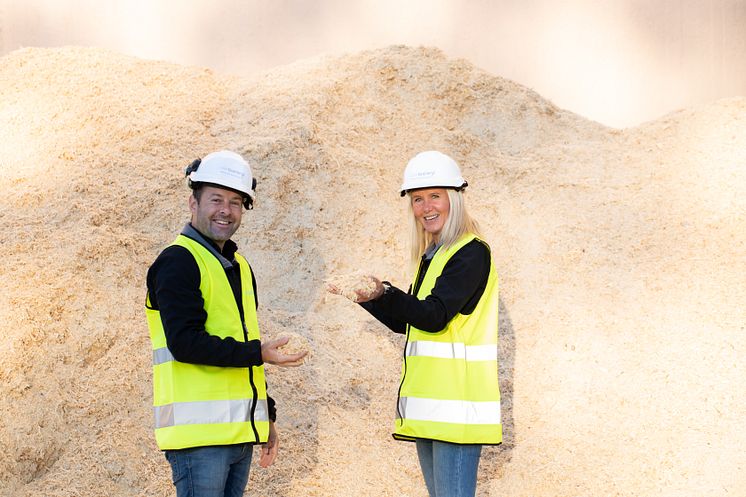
621	256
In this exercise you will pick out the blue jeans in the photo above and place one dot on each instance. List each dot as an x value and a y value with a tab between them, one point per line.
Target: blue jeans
450	470
216	471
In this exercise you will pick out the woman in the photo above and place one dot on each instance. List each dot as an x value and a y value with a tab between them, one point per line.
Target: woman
449	399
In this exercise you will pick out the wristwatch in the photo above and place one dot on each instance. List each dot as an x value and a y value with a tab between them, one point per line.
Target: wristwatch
387	288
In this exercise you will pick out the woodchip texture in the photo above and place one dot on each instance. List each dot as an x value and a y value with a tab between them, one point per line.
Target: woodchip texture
621	255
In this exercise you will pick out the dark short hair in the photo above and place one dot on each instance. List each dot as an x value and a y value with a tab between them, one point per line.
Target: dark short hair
198	187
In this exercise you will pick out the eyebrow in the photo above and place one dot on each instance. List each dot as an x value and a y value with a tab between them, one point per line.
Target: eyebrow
226	196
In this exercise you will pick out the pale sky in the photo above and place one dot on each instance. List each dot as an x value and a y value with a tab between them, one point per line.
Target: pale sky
619	62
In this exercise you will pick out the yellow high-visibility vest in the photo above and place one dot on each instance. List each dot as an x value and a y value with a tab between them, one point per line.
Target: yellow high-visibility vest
449	387
197	405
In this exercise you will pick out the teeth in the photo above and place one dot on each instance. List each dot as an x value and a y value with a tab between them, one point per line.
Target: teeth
430	218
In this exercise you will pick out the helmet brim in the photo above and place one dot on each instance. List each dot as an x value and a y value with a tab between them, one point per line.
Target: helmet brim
412	188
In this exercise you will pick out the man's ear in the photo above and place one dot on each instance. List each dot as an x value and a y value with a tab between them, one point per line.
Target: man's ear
192	203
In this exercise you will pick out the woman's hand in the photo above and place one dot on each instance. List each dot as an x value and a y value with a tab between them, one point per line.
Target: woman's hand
367	295
333	289
358	288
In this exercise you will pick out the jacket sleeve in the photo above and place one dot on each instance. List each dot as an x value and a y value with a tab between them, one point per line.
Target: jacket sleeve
272	406
173	287
457	290
380	312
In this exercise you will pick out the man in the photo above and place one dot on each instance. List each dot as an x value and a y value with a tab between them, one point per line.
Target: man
209	393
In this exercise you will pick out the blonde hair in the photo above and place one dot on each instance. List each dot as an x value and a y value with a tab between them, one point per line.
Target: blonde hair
458	223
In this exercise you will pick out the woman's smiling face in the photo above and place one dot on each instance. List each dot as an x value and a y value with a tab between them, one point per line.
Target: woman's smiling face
431	207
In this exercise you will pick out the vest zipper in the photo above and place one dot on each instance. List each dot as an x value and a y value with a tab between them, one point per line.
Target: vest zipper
415	289
255	401
254	392
404	375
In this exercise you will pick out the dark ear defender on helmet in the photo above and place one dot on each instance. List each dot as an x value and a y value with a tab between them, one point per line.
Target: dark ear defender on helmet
190	169
248	203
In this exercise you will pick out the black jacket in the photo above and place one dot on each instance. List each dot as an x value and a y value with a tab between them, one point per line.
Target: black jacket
457	290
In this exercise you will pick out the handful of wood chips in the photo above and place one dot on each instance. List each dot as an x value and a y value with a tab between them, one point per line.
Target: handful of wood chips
352	284
298	343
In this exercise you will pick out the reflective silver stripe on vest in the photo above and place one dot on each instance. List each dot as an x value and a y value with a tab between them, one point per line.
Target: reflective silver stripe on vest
162	355
450	411
208	412
448	350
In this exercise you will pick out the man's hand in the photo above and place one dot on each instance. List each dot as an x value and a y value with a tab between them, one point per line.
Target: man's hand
271	354
269	449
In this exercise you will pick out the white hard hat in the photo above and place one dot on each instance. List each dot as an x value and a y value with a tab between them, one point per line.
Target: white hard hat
432	169
224	168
